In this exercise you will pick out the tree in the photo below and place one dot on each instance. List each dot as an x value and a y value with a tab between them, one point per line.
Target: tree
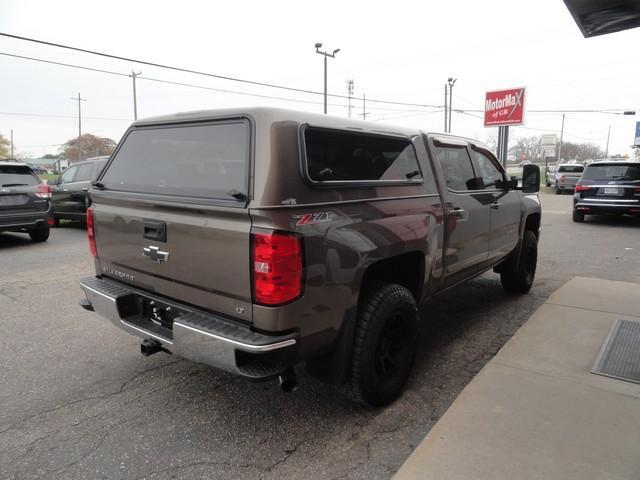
51	156
529	147
581	151
87	146
5	150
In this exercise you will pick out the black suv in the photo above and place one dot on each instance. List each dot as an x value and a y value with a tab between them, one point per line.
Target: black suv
70	189
25	202
608	188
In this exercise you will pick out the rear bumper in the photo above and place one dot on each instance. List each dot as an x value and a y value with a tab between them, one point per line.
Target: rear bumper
195	335
607	208
25	221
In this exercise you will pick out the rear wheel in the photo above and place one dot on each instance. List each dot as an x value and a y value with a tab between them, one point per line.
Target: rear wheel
558	191
578	216
518	273
39	235
384	345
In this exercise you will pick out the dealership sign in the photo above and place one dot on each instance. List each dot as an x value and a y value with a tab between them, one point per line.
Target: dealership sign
504	107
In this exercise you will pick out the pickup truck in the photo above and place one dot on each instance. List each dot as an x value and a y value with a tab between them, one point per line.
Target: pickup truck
256	240
565	177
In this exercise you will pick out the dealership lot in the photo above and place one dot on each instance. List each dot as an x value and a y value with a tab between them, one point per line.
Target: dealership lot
78	400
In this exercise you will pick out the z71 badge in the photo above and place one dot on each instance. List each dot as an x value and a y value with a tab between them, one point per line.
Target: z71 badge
313	218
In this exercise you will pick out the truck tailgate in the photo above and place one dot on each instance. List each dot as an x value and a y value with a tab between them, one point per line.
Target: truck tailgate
204	260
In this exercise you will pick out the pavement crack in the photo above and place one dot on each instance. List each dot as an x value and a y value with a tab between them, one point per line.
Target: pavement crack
105	396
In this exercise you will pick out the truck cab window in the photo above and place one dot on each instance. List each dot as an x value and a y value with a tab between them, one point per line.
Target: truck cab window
456	168
487	170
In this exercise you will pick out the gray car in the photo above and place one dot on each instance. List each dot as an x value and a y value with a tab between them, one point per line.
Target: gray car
258	240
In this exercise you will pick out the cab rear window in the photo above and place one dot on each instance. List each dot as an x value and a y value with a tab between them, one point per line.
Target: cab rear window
334	156
17	175
571	169
192	160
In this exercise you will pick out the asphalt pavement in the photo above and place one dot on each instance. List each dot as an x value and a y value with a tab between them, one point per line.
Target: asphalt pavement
77	400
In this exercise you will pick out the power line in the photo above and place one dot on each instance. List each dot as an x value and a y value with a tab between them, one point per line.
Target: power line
61	116
206	74
184	84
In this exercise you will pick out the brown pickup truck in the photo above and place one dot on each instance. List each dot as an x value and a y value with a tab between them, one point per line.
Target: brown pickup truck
256	240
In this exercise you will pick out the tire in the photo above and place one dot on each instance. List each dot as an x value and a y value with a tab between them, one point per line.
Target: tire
518	274
384	346
577	216
39	235
56	222
558	191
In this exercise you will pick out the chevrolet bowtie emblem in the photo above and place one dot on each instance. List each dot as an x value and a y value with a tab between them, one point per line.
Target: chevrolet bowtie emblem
155	254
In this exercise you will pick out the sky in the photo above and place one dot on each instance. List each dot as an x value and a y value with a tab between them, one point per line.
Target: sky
399	51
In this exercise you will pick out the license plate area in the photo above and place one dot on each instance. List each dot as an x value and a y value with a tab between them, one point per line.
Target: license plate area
150	314
13	200
612	191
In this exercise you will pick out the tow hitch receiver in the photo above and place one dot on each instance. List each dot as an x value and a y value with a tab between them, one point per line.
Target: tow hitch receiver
150	346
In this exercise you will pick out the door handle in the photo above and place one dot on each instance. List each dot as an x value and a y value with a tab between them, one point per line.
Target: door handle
457	212
85	189
65	189
495	205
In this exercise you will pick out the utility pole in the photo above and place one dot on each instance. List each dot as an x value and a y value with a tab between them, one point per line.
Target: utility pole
364	106
350	87
446	108
325	55
606	153
451	82
135	98
12	144
79	99
561	135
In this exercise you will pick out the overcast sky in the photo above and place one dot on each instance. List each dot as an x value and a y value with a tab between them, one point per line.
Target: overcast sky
401	51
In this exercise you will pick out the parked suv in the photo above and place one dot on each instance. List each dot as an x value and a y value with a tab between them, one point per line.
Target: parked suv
70	189
608	188
25	202
256	239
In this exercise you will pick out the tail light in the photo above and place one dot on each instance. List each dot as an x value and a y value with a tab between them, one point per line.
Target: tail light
43	191
277	268
636	189
91	233
582	188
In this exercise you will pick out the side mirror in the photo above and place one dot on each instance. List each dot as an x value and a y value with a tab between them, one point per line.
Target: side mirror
531	178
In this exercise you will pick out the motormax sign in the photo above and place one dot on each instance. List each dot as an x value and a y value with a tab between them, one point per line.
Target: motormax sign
504	107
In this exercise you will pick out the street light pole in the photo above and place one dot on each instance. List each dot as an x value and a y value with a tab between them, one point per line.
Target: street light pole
326	55
12	144
606	152
451	82
446	108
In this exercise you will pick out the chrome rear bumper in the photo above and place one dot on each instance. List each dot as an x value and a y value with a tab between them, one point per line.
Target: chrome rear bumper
195	335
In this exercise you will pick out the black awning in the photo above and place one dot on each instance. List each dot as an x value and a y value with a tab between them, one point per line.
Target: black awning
599	17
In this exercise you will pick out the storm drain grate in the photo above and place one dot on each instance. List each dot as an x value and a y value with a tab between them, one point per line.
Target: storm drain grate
619	356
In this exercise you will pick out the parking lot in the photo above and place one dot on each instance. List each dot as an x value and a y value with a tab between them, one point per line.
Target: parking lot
79	401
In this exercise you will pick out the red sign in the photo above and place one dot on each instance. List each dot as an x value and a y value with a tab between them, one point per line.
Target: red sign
504	107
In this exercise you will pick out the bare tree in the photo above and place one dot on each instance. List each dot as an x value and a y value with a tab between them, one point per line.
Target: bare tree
87	146
5	151
527	147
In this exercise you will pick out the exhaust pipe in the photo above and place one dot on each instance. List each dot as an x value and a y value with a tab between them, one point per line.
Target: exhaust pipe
288	380
149	347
